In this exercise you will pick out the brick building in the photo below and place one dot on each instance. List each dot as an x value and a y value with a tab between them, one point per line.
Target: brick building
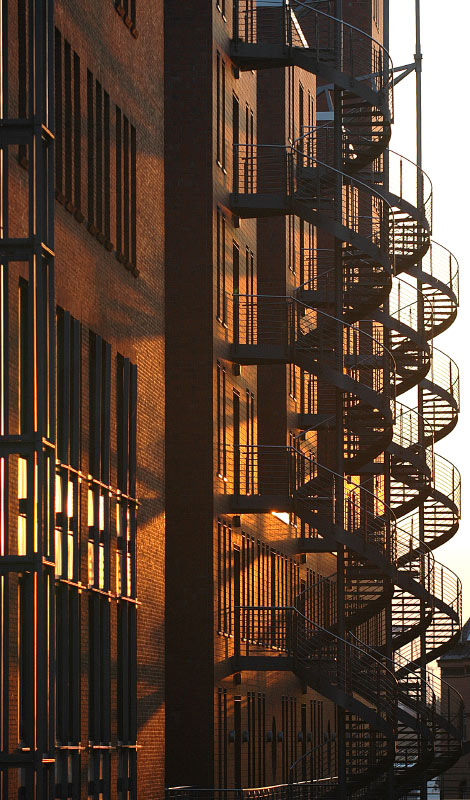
82	449
218	523
455	669
303	502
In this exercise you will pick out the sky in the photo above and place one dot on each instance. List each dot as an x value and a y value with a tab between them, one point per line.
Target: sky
445	43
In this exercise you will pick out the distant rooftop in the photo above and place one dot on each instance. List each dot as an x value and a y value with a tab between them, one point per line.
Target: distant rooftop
461	649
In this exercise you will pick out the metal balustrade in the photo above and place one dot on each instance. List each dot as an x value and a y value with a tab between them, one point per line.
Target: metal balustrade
441	395
384	225
265	173
312	790
407	303
298	33
438	274
337	667
293	478
408	182
365	285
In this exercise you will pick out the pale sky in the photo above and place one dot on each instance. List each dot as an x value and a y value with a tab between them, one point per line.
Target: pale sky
445	46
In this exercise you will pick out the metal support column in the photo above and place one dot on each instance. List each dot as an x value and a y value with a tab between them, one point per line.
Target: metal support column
387	458
339	498
420	197
27	440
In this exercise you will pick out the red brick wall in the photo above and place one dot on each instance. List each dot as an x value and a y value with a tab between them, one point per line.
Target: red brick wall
127	311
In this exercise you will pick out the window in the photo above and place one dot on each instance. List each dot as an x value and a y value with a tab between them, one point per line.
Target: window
293	373
310	121
68	130
68	388
99	547
261	780
239	454
238	303
285	739
221	422
236	142
221	114
126	192
23	56
126	507
99	187
250	441
127	11
301	116
291	242
250	154
127	774
225	610
251	755
221	268
376	13
316	735
99	775
222	738
24	365
237	719
249	331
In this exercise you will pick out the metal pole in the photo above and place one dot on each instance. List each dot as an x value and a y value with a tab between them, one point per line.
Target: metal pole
386	25
418	73
339	499
420	197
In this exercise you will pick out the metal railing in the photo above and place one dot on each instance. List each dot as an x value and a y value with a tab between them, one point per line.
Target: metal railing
407	432
408	182
288	473
293	24
442	265
444	373
407	303
335	661
286	171
314	789
271	321
447	480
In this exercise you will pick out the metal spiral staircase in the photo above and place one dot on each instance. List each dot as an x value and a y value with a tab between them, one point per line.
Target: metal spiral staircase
418	478
304	35
336	668
397	714
273	330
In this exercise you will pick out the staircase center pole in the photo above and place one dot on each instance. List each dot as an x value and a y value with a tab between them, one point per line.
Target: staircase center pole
420	197
339	498
387	458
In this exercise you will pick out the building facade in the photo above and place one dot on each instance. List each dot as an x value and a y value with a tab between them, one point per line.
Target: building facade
218	519
304	498
82	450
455	670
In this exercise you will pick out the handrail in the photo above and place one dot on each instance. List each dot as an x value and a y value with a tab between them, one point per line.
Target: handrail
428	266
266	320
359	648
321	313
407	433
292	148
410	303
342	22
420	174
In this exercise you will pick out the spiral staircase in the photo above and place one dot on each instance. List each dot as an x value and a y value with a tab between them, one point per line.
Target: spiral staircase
398	715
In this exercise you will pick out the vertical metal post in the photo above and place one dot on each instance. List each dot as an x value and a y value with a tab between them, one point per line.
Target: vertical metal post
30	567
387	459
339	494
420	198
418	74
